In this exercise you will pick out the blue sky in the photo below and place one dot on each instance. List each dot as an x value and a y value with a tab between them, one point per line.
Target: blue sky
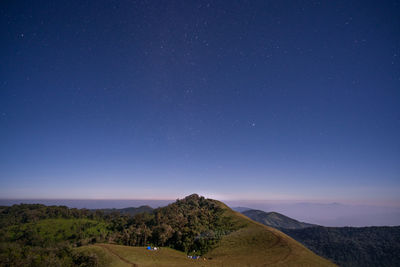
245	100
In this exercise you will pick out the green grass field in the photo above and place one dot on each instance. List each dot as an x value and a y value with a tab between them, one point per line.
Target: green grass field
58	230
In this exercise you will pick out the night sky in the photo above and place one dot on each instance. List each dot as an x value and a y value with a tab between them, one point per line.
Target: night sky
295	100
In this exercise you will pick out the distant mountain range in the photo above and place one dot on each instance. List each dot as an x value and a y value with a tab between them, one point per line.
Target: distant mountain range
275	219
241	209
128	211
346	246
329	214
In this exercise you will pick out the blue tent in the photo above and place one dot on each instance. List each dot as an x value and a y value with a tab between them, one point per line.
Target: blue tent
148	248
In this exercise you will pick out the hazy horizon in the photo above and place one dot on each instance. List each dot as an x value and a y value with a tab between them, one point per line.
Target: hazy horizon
326	214
240	200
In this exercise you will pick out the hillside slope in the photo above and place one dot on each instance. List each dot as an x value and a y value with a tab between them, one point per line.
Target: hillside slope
275	219
260	245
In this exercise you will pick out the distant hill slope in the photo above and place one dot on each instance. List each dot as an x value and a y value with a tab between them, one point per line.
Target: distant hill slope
128	211
241	209
352	246
276	220
346	246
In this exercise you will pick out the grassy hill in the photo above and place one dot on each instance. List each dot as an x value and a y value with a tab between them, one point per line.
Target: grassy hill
251	245
37	235
275	219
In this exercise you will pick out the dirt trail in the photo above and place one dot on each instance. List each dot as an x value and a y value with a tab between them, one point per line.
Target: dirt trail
117	255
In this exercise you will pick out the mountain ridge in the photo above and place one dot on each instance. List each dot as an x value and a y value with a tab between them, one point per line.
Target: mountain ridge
275	219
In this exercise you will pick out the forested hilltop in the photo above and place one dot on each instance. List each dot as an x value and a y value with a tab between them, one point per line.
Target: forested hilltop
38	235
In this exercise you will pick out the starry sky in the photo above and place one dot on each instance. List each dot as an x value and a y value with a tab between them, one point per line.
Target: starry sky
283	100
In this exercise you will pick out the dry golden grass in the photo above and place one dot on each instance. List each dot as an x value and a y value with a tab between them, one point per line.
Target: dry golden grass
260	245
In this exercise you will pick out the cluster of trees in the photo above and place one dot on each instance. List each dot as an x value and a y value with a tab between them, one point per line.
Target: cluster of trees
62	254
190	224
39	235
